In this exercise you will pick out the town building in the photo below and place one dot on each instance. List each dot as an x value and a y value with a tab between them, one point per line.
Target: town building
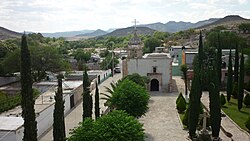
157	66
11	127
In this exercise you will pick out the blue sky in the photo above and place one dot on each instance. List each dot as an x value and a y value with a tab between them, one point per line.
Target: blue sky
70	15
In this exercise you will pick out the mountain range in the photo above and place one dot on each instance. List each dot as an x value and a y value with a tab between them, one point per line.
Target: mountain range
231	20
95	33
6	34
130	30
171	26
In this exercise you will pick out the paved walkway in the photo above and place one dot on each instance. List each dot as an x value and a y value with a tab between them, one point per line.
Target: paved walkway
75	116
161	122
228	125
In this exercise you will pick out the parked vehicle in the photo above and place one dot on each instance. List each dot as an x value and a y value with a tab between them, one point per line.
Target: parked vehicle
117	70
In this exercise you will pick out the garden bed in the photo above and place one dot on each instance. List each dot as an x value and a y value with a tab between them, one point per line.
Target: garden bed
239	117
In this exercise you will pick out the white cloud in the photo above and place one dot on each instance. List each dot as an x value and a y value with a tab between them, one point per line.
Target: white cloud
65	15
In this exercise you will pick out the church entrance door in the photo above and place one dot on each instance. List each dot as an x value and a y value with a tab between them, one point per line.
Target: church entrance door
154	85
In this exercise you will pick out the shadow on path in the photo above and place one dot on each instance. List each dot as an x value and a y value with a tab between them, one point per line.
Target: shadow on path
149	137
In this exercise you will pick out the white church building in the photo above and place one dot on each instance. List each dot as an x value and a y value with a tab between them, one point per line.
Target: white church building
157	66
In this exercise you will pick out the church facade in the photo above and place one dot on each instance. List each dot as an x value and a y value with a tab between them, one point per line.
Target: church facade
157	66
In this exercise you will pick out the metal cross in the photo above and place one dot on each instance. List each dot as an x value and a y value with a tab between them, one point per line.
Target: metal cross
135	23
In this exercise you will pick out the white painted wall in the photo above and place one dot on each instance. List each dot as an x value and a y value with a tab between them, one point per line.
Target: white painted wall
8	136
12	135
66	98
145	65
45	119
19	134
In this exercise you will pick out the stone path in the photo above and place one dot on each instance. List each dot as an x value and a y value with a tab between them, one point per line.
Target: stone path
238	133
161	122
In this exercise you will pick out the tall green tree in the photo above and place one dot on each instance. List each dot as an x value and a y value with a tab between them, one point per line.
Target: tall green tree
59	124
241	81
214	98
87	98
236	64
219	60
200	52
247	66
97	107
194	108
196	92
27	102
150	44
229	78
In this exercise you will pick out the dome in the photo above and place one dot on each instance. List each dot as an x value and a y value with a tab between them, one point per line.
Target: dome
135	40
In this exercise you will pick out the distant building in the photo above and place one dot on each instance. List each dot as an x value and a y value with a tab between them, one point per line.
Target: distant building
157	66
175	51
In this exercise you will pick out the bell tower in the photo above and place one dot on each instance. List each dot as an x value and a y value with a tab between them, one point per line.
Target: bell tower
135	45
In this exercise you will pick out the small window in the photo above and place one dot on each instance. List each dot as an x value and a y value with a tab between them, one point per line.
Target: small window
154	69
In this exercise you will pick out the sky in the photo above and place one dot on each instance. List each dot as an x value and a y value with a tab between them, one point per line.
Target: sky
73	15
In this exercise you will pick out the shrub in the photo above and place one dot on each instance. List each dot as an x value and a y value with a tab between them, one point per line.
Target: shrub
9	102
247	100
130	97
138	79
179	96
247	123
181	105
222	100
185	118
235	90
116	126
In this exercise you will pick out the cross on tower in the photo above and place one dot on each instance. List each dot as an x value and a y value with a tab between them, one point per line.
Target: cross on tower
135	23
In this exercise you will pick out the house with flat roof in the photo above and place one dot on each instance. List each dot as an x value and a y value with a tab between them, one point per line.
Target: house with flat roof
44	104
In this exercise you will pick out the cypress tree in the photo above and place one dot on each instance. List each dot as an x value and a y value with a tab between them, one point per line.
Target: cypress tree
27	101
196	92
97	107
236	64
214	97
200	52
219	60
87	98
194	106
229	78
241	81
59	124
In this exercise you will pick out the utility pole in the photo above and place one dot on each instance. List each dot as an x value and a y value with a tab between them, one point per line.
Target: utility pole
112	60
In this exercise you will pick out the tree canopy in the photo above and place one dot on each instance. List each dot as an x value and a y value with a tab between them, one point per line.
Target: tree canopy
130	97
116	126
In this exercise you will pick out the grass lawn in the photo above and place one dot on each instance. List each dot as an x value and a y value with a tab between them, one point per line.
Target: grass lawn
239	117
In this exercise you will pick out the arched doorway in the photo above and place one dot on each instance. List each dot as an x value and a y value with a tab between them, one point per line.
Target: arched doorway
154	85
